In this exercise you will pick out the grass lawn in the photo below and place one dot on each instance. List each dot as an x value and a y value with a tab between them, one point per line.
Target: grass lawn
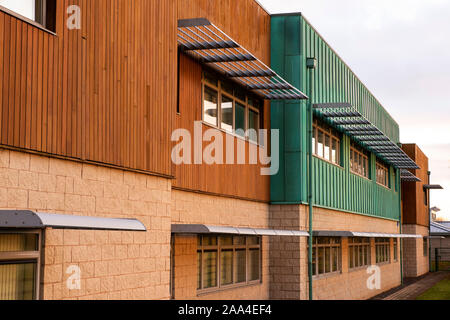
441	291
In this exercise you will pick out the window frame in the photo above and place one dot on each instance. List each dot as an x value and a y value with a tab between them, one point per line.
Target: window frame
395	248
425	246
234	97
381	167
40	16
333	136
354	247
365	159
22	257
218	247
383	246
330	245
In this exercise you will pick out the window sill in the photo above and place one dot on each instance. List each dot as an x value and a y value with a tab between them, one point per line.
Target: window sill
382	185
356	269
327	275
205	292
26	20
329	162
361	176
383	263
232	134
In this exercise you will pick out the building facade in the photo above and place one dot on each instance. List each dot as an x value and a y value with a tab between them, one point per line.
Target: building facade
94	204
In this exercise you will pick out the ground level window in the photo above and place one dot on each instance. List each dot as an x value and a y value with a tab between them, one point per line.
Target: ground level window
224	261
382	249
326	255
19	261
395	249
359	252
425	247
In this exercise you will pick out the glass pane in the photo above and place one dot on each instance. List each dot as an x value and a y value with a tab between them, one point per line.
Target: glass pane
209	241
17	281
327	260
361	256
210	79
334	152
253	265
226	241
18	242
314	139
240	95
327	147
227	87
253	125
239	241
320	140
26	8
226	267
210	106
209	269
227	113
335	259
252	240
240	119
314	261
199	269
351	249
240	265
321	258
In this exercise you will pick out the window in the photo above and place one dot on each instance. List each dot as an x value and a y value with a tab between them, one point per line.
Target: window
382	249
19	262
326	255
382	174
42	12
227	107
359	252
359	161
225	261
326	143
425	247
395	249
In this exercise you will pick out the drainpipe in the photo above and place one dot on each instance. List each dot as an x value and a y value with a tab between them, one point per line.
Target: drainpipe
429	221
311	64
399	182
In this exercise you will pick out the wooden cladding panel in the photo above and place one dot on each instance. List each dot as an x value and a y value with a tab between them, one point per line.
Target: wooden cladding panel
245	21
105	93
238	180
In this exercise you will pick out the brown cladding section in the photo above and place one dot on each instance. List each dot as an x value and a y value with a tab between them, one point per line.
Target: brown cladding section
415	211
248	24
105	93
236	180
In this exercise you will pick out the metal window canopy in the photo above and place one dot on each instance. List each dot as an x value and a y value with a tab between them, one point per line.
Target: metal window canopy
206	229
344	117
407	176
432	187
204	41
25	219
325	233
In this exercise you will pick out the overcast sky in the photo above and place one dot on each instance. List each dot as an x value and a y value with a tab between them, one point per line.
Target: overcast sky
400	49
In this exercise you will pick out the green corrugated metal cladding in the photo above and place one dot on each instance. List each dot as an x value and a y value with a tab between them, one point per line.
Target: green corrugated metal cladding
293	40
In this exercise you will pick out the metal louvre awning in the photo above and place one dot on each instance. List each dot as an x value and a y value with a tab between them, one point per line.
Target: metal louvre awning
25	219
325	233
407	176
207	43
384	235
205	229
346	118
